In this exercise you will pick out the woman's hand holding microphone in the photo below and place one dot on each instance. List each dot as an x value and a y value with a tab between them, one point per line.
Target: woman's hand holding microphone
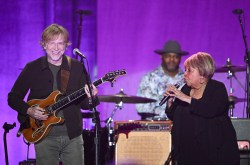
173	92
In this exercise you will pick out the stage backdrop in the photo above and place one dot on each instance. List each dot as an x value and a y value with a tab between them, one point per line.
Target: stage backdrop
126	32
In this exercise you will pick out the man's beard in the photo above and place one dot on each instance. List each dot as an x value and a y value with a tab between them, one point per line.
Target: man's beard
170	69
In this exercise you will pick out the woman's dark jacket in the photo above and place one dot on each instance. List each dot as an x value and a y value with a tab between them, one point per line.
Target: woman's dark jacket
202	131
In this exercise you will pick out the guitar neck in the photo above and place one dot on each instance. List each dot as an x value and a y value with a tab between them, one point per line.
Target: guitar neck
72	97
109	77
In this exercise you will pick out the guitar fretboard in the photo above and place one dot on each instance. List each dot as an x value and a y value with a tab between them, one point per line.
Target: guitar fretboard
70	98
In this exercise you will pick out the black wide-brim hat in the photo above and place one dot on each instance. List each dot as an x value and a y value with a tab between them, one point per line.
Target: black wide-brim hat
171	47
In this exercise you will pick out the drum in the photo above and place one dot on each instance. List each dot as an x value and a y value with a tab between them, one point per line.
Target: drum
106	151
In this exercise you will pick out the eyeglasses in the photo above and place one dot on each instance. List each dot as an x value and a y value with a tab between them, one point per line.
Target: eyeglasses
59	45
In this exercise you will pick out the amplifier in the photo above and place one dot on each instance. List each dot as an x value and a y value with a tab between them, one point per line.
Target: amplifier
121	126
241	127
142	142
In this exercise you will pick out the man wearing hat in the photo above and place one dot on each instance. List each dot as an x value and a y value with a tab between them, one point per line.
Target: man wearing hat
154	84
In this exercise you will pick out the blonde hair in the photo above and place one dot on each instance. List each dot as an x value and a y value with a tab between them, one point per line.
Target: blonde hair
52	32
203	62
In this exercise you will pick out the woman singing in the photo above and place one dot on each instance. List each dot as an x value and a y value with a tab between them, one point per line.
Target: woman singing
202	131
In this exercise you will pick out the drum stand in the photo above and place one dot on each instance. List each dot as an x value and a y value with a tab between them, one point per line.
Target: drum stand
231	98
231	75
111	140
109	121
231	102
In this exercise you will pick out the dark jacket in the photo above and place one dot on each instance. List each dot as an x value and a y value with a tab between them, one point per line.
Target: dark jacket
202	131
37	78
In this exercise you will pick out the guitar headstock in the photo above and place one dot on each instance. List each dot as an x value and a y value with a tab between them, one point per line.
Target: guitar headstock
111	76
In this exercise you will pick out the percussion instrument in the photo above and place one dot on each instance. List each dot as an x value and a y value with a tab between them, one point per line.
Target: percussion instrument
122	97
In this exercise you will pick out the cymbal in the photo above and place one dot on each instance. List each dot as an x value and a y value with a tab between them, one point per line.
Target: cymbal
229	67
236	99
121	96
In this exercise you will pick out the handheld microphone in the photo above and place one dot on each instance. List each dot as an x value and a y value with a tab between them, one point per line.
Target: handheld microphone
178	85
237	11
77	52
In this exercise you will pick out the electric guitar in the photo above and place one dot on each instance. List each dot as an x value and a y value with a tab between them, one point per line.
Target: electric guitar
35	130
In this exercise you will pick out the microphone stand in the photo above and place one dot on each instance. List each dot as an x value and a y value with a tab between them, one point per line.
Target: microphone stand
28	149
96	118
7	127
247	61
81	13
79	35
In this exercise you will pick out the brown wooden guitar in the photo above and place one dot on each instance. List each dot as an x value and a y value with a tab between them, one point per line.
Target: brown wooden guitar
38	129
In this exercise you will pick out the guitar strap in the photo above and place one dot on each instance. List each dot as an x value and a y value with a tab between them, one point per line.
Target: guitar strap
65	76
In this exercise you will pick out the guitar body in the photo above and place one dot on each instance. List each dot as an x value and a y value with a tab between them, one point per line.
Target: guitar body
39	129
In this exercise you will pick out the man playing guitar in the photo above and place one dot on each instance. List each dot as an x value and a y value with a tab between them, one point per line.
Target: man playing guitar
54	71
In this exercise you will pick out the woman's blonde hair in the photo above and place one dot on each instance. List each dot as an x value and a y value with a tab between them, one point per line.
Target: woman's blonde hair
203	62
